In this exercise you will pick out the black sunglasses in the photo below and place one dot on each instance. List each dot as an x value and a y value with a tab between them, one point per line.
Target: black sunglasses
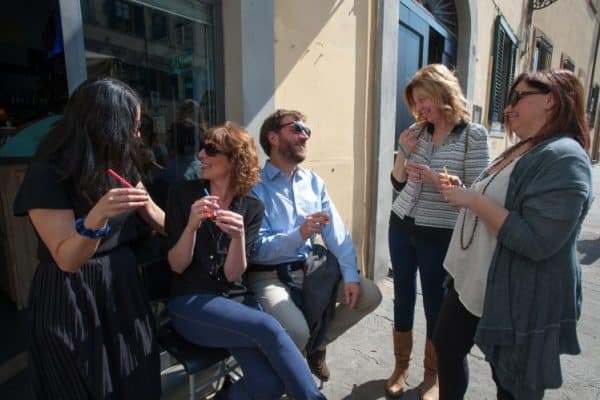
516	96
298	127
211	149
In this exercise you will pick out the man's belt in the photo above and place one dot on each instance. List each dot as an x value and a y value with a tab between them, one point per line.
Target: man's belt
293	266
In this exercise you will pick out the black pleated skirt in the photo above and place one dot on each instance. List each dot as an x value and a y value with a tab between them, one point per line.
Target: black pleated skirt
92	332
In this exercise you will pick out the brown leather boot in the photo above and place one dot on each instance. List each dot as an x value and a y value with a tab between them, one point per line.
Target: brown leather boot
429	389
396	383
318	365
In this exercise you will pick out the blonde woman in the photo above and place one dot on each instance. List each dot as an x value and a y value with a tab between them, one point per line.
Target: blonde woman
442	141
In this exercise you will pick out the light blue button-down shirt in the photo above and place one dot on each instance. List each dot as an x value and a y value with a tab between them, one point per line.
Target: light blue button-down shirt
287	204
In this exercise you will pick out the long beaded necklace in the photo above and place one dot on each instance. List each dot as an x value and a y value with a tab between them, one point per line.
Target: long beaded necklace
488	183
218	250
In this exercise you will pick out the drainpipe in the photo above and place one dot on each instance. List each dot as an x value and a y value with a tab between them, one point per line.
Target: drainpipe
595	142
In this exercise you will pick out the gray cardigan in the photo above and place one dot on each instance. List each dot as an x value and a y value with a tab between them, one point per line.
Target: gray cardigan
533	296
465	153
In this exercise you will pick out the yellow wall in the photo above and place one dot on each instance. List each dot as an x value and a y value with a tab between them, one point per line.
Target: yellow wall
322	52
573	36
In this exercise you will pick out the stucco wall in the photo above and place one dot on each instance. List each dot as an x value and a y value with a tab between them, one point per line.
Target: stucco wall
322	69
573	37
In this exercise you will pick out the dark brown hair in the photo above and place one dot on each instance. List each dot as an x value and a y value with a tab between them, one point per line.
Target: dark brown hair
273	124
567	116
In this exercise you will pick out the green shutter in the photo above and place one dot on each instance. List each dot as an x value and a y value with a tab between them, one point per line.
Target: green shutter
497	75
505	59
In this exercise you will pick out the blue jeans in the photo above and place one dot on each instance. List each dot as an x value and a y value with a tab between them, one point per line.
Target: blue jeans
269	359
409	254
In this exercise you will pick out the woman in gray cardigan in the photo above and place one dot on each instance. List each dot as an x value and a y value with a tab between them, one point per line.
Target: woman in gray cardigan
516	280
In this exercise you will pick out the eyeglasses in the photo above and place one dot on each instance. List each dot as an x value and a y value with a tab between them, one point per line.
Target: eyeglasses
516	96
211	149
299	127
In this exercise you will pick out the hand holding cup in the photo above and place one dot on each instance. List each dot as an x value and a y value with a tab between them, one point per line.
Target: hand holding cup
314	223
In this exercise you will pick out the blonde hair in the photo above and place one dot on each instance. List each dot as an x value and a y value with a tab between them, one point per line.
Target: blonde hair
241	150
442	85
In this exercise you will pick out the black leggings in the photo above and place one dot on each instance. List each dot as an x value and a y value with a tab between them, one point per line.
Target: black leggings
453	339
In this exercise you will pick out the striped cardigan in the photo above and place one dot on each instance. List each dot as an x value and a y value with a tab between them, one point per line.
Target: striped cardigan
465	152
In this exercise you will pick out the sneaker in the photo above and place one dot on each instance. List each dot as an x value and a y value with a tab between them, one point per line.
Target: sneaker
318	365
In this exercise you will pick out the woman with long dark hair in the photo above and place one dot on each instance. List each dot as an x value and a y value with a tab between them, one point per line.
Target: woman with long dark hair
212	224
516	279
91	327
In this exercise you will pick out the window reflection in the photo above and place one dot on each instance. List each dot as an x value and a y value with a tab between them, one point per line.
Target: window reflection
164	50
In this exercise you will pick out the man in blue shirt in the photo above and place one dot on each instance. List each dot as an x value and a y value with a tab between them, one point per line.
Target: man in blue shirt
297	208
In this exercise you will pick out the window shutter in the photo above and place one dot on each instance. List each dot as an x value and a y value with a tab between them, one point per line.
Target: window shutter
510	73
505	59
497	75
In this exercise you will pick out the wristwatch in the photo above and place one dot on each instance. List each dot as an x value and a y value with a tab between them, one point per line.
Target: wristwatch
94	234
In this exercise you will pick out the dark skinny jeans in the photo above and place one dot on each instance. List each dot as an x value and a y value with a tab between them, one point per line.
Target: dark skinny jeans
453	340
409	253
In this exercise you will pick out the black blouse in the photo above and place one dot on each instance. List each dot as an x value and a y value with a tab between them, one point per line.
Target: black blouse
205	272
43	188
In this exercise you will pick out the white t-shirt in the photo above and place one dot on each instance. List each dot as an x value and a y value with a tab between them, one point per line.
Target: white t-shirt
470	267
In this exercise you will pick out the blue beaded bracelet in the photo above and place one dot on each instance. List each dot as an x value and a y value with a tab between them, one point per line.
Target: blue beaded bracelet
94	234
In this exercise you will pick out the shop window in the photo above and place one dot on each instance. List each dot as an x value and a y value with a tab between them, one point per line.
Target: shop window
159	27
32	68
185	38
164	49
505	53
566	62
542	53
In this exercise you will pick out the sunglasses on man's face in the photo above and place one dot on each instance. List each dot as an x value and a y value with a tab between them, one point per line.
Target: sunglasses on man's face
516	96
211	149
299	127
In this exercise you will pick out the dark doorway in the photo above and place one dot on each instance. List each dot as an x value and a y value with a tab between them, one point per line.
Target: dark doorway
422	39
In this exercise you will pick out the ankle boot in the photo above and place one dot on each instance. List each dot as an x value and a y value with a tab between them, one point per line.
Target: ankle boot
429	389
396	383
318	365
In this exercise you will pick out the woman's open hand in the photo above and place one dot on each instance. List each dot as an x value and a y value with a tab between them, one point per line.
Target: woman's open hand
114	202
421	173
